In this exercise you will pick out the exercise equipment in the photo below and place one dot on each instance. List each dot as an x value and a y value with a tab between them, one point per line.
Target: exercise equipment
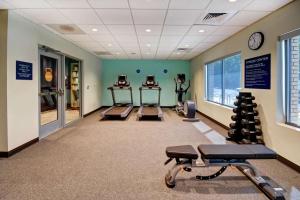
121	110
245	128
186	108
150	109
221	156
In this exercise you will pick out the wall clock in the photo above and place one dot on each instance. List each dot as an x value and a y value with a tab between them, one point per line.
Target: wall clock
256	40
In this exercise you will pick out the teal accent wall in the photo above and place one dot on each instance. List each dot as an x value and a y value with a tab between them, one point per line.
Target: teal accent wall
112	68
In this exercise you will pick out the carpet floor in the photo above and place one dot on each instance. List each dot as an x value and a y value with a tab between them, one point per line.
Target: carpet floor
94	159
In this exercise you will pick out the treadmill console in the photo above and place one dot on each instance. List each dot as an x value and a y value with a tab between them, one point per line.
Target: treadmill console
150	82
122	81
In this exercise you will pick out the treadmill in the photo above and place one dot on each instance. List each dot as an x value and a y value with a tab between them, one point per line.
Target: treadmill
120	110
150	110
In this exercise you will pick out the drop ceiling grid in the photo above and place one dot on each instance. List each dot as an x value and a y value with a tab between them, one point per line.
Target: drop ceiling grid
172	15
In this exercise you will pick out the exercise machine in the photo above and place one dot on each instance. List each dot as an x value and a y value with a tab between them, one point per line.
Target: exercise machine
148	109
221	156
186	108
121	110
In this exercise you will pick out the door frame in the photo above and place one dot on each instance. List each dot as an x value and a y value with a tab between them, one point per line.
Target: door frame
57	124
42	50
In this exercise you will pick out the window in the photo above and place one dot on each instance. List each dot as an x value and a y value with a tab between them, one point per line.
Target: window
223	79
291	62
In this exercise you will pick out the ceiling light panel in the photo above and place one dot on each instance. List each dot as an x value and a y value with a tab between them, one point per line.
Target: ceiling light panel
244	18
121	29
149	4
29	4
148	16
202	30
45	16
101	29
270	5
189	4
81	16
68	3
226	6
175	30
109	3
182	17
155	29
115	16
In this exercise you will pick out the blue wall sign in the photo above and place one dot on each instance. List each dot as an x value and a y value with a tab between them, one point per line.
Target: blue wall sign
23	70
258	72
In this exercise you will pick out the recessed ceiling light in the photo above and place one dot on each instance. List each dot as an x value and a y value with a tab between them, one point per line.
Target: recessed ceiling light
186	45
148	30
148	45
232	0
109	45
178	53
201	31
94	30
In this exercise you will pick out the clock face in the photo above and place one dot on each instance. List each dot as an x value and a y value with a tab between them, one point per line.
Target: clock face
256	40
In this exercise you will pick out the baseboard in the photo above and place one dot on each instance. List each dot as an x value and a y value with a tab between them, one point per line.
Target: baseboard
18	149
288	163
212	119
280	158
89	113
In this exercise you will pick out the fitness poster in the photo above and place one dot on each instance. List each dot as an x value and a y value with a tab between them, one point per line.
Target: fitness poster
23	70
258	72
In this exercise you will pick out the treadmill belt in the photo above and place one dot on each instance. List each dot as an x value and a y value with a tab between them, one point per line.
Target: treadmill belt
116	111
150	111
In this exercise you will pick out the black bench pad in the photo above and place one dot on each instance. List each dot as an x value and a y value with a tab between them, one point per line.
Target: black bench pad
183	151
235	151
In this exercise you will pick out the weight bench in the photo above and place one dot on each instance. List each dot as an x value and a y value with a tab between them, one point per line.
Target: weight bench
223	156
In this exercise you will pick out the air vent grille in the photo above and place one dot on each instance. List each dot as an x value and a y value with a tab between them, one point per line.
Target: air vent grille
66	29
215	18
102	53
210	16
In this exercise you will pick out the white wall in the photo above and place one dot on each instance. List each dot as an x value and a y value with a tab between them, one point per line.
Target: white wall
283	139
23	40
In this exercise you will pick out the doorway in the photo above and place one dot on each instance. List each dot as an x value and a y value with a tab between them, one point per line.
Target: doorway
59	91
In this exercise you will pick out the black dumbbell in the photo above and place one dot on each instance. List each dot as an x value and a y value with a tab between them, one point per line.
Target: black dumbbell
245	105
247	122
254	113
232	125
232	133
234	117
258	132
248	98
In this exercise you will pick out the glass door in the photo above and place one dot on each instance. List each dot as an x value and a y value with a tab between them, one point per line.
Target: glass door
50	93
73	90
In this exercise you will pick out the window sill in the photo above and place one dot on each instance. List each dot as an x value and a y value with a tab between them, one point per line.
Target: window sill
288	126
220	105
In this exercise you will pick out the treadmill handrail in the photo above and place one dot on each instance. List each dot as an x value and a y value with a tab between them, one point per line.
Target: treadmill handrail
147	88
113	88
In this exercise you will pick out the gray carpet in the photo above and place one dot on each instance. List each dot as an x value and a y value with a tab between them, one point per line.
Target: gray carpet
95	159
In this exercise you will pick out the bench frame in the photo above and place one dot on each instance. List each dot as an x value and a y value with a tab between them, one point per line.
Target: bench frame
183	164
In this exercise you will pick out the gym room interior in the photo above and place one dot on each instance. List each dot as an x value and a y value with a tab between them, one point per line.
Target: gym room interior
149	99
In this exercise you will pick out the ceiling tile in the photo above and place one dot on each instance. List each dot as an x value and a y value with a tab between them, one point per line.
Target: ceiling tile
155	29
175	30
215	39
227	6
148	16
103	38
81	16
45	16
182	17
169	40
69	3
5	5
244	18
109	3
198	30
123	39
115	16
101	29
29	4
78	38
91	45
107	56
192	40
121	29
152	40
270	5
227	30
189	4
149	4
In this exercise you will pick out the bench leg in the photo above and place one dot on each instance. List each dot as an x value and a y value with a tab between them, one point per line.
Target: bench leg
171	175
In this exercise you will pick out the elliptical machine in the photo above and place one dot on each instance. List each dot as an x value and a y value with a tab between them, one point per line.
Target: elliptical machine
186	108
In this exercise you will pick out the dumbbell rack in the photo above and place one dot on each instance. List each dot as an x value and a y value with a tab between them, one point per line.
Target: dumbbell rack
245	129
